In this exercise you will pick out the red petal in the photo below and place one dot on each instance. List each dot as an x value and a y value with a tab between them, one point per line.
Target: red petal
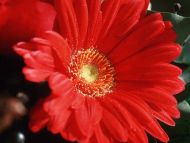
161	53
128	15
144	13
169	34
56	105
36	75
17	25
136	41
68	136
173	111
72	131
138	135
60	84
143	115
122	114
40	44
162	115
39	60
109	13
57	123
22	48
89	114
67	21
132	127
140	72
50	1
94	22
81	11
172	86
60	45
156	96
113	126
78	101
38	117
100	135
36	44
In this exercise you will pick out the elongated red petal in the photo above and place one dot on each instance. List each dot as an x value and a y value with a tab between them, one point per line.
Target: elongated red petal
100	136
36	75
89	114
162	115
109	13
94	22
67	21
162	53
127	16
143	116
141	72
81	10
60	46
38	117
113	126
39	60
134	42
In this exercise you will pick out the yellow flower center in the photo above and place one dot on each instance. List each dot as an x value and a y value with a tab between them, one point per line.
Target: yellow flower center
89	73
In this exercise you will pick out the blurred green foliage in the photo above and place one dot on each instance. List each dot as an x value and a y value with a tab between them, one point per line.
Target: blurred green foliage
185	56
168	6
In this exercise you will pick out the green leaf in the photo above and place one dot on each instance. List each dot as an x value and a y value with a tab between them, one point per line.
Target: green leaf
184	107
168	6
184	100
186	75
163	5
185	10
185	95
181	132
185	57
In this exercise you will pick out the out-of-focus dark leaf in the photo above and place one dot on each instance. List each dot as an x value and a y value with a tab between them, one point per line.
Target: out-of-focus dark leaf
163	5
168	6
185	94
186	75
184	107
184	102
185	57
181	132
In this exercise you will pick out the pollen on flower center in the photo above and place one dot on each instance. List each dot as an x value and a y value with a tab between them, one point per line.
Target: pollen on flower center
91	73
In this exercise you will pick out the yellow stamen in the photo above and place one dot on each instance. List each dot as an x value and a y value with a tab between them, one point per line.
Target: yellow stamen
89	73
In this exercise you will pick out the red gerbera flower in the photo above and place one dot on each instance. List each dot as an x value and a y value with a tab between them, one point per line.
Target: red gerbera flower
109	72
22	20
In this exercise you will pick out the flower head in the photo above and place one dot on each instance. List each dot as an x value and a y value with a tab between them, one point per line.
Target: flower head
109	71
22	20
